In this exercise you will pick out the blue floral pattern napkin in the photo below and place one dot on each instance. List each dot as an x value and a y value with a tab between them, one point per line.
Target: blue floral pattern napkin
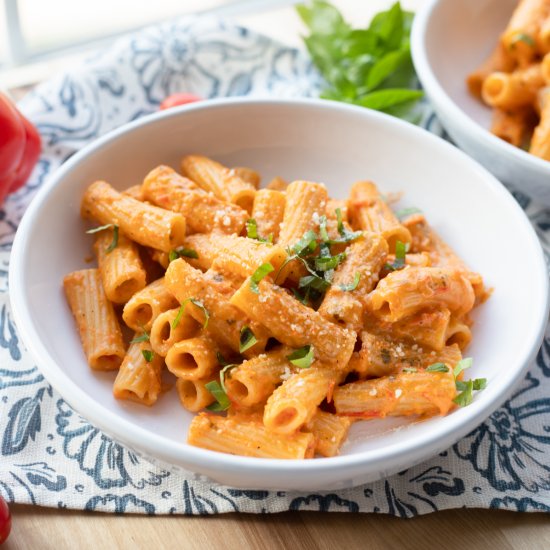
50	456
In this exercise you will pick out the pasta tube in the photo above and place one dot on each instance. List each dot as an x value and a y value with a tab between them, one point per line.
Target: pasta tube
121	269
147	304
193	359
370	212
268	211
203	211
241	435
138	379
407	291
295	324
416	393
330	431
221	181
143	223
498	61
193	394
171	327
95	318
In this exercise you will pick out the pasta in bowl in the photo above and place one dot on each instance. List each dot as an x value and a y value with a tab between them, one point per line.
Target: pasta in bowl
353	331
220	297
482	66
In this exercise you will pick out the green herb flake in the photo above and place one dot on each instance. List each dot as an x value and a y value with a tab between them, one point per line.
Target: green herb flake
410	369
147	354
465	397
141	338
114	242
195	302
221	359
222	401
406	212
437	367
307	244
522	37
258	275
353	285
247	339
400	257
463	364
252	232
100	228
328	263
323	233
302	358
182	252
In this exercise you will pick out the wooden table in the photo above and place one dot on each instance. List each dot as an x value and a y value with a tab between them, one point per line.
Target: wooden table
42	529
467	529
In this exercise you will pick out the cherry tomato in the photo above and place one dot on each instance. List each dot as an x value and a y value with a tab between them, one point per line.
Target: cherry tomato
179	99
5	520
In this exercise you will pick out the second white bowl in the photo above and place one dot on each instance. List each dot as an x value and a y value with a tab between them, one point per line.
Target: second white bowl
450	39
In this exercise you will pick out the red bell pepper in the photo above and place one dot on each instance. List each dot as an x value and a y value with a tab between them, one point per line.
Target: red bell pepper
19	148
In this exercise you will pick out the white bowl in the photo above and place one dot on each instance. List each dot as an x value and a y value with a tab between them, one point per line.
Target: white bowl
450	39
301	139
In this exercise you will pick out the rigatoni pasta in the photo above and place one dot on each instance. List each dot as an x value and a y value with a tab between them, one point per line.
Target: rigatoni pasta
512	79
280	329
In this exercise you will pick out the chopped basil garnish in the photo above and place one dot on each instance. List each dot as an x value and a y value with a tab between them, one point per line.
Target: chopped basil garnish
323	233
463	364
345	235
258	275
438	367
330	262
410	369
406	212
522	37
307	244
114	242
222	401
100	228
315	282
467	387
247	339
252	232
147	354
400	253
302	357
182	252
465	397
142	338
221	359
195	302
353	285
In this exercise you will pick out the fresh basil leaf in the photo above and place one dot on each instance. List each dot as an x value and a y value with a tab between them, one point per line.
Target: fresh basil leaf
221	359
222	401
323	18
323	233
386	67
302	357
388	26
314	281
353	285
480	384
437	367
383	99
247	339
147	354
225	369
400	256
258	275
114	242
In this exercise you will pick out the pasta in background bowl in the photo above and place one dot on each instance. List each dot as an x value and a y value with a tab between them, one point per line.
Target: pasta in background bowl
299	139
450	40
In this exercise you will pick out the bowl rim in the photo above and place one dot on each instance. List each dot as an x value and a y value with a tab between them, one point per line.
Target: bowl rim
439	96
452	426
